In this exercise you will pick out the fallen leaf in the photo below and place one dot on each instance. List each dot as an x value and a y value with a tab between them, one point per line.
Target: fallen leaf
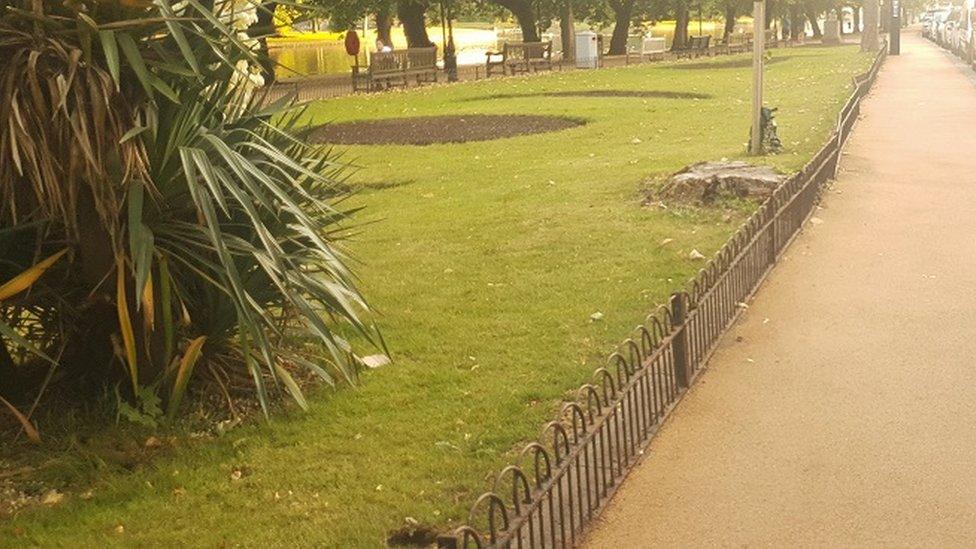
376	361
52	497
596	317
28	427
695	254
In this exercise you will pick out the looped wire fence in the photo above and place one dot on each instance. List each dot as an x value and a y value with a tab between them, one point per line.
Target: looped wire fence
563	481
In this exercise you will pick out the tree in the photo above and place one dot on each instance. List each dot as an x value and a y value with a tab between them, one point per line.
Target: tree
731	9
869	37
567	30
413	14
173	227
681	17
346	14
384	23
526	16
623	11
260	31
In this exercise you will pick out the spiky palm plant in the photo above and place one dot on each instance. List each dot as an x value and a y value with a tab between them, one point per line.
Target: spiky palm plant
201	229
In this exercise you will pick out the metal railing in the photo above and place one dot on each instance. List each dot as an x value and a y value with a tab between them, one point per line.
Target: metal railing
327	86
563	481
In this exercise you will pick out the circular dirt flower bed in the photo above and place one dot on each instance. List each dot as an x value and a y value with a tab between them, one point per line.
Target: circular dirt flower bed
428	130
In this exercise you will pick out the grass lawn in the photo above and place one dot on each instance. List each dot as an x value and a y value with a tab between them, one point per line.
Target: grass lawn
486	261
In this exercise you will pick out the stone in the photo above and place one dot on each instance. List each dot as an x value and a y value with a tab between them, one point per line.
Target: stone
707	182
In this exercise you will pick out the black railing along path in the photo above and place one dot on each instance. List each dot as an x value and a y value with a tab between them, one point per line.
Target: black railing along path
563	481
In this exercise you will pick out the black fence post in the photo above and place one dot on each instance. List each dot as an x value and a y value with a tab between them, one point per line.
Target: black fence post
679	345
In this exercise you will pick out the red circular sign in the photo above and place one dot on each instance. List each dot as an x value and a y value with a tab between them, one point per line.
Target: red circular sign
352	43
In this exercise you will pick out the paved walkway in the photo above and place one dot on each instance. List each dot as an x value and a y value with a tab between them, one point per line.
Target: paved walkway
841	411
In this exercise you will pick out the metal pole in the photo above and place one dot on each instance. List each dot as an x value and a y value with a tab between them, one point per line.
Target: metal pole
894	28
683	372
366	38
758	47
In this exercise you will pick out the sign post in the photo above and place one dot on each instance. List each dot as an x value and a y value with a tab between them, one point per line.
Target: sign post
894	28
758	50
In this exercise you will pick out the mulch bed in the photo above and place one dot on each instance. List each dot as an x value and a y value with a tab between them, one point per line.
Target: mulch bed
430	130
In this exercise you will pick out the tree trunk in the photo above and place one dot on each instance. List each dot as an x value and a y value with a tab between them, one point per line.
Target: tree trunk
384	25
680	27
622	11
730	14
525	15
797	21
566	30
769	13
812	17
857	18
840	19
869	36
261	31
411	14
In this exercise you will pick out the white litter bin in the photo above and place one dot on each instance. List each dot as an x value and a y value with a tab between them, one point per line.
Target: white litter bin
587	50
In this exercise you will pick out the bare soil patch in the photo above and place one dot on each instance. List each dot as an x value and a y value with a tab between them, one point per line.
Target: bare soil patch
430	130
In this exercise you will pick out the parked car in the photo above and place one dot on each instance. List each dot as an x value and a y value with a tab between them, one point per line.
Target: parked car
966	46
928	23
959	18
938	23
944	37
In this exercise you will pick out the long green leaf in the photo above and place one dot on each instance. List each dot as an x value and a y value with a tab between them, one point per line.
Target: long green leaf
134	58
110	47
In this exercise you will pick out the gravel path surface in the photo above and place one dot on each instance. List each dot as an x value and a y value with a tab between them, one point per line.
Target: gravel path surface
841	410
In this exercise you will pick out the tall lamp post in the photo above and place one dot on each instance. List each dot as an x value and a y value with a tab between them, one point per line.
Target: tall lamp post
758	47
894	28
447	38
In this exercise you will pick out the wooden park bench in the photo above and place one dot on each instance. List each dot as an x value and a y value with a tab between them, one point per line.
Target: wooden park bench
696	45
396	68
653	47
517	57
736	43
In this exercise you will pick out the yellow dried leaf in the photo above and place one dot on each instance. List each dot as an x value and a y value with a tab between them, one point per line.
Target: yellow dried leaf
125	325
148	306
27	278
29	429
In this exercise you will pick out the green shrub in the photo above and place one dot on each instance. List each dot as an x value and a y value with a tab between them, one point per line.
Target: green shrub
202	231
